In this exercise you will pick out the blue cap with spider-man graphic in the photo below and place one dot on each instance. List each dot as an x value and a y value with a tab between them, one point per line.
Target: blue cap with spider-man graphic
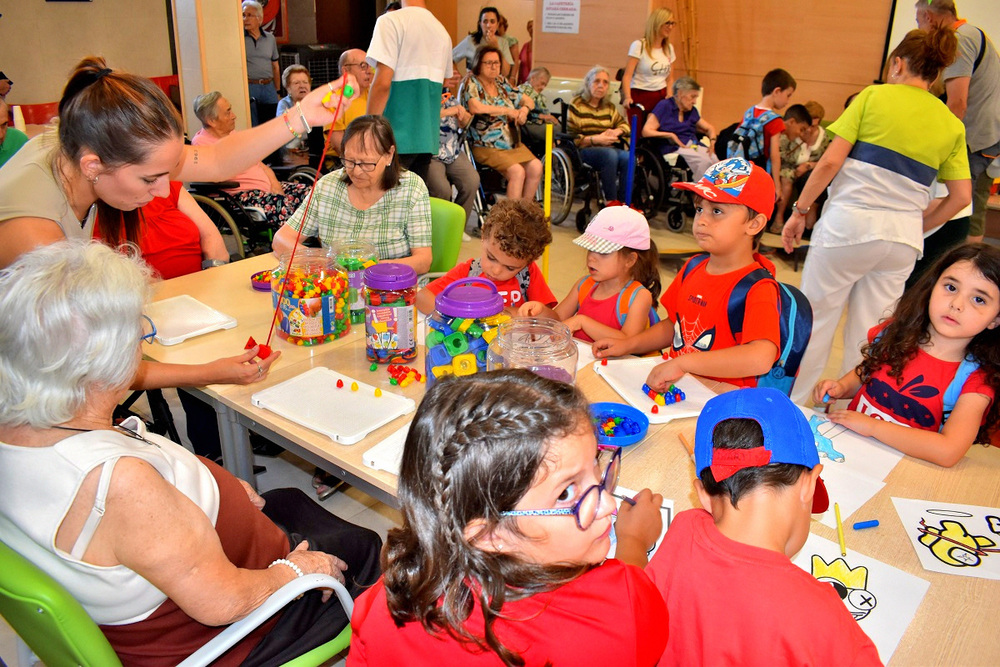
735	181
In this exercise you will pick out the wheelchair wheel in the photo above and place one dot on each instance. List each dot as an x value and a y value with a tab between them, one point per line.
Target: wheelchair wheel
675	218
235	243
562	186
656	178
304	174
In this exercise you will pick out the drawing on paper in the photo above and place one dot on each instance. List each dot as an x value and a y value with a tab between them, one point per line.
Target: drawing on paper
824	443
952	543
851	584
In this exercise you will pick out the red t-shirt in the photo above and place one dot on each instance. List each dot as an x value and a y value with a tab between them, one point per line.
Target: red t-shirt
772	128
510	290
734	604
612	615
917	398
169	241
698	307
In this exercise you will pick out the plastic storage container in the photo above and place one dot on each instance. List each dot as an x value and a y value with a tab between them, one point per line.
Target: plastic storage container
313	303
539	344
390	313
354	256
465	319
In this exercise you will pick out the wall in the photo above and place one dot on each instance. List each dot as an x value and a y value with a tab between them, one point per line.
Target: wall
832	49
52	37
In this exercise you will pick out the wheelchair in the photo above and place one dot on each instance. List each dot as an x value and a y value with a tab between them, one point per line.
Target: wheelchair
659	173
245	229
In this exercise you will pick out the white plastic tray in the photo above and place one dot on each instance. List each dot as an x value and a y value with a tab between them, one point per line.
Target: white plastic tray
181	317
626	376
313	400
388	454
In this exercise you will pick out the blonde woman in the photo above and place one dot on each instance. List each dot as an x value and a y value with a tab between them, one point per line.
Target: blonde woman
649	71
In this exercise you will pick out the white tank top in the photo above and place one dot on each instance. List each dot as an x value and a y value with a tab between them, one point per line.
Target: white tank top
39	485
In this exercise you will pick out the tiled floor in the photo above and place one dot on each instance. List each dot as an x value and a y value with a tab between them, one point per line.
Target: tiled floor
567	263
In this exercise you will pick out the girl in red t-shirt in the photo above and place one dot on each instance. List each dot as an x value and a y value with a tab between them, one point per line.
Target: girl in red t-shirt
507	515
942	328
617	297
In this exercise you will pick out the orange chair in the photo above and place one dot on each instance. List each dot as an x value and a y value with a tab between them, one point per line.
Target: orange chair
39	114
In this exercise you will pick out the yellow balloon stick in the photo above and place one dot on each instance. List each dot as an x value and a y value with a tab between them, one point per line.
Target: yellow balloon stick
547	194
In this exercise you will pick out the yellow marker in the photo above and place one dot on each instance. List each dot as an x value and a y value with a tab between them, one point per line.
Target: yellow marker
840	529
378	392
354	386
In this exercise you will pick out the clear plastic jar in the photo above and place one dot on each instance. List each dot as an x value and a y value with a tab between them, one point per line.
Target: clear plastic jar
465	319
354	256
390	313
538	344
313	300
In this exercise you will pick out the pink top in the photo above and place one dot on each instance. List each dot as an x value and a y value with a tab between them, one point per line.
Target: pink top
254	178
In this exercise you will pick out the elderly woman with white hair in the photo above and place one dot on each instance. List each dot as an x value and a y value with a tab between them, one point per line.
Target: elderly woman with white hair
112	512
600	130
259	187
675	122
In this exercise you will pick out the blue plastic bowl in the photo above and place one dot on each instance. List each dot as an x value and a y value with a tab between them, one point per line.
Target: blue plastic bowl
620	410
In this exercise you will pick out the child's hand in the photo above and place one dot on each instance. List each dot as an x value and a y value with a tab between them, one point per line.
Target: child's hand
832	389
665	374
642	521
611	347
575	323
855	421
531	309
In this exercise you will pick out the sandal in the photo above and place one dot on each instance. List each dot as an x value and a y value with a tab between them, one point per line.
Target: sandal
325	484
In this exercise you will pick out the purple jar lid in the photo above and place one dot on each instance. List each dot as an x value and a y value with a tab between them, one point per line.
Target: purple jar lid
472	297
390	276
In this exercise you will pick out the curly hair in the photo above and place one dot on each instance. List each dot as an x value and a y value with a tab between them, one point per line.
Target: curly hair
909	327
477	444
518	227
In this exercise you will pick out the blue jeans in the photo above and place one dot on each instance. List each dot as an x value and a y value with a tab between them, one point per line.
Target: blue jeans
611	165
262	93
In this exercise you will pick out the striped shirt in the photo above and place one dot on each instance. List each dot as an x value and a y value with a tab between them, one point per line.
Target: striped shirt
396	223
903	139
584	120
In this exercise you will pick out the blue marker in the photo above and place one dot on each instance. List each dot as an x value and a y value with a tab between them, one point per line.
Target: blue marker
861	525
826	398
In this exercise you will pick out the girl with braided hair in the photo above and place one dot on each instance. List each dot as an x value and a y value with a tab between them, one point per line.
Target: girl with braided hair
507	514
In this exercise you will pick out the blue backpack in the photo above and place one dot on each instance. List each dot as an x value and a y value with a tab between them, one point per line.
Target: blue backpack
748	138
794	317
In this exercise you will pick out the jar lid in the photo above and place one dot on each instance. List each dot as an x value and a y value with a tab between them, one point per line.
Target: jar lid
390	276
471	297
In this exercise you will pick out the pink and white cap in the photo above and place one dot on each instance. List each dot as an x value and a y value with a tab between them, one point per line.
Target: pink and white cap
614	228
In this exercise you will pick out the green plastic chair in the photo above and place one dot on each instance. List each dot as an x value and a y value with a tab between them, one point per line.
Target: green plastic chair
447	226
59	632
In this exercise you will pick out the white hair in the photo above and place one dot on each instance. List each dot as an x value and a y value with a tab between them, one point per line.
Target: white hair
254	5
72	319
588	80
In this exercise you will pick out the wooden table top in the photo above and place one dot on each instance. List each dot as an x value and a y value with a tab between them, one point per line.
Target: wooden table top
950	626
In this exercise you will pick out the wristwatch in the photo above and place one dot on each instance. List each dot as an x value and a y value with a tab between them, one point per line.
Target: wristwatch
795	207
209	263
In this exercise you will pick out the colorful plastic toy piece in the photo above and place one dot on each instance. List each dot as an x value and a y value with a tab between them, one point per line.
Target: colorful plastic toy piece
439	356
434	338
440	371
456	344
464	364
373	367
340	384
354	386
656	409
378	392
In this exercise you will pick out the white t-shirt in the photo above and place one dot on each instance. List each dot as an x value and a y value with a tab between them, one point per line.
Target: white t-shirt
652	72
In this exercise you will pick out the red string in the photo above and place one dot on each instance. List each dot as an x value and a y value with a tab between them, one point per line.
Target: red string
305	213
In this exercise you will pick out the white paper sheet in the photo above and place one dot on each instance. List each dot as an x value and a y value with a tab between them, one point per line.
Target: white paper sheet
626	376
952	538
883	599
666	513
388	454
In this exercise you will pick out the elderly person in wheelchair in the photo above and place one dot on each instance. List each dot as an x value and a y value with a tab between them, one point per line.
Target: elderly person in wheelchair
258	186
498	111
160	547
601	131
675	123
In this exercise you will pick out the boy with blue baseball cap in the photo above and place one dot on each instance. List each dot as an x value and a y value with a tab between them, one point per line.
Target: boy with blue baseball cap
758	481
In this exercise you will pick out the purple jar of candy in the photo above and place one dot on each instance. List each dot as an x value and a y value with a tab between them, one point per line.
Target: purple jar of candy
390	313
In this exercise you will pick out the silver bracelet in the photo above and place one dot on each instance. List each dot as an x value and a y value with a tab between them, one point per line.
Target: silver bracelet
284	561
302	115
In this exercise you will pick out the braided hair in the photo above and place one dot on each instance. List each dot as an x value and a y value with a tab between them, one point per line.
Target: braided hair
476	446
